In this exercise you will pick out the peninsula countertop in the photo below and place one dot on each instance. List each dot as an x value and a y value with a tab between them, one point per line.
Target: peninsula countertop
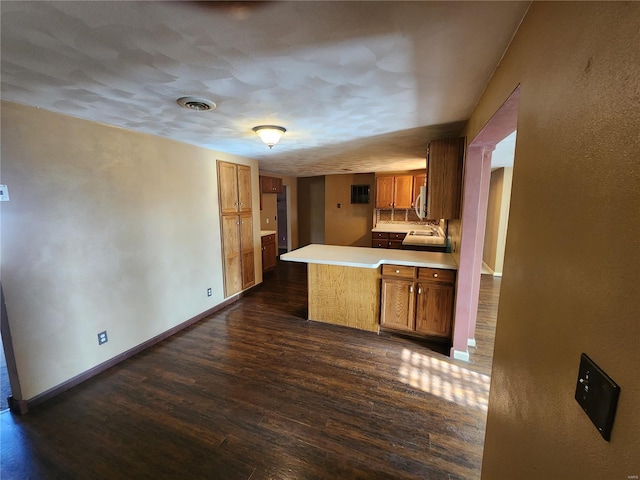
365	257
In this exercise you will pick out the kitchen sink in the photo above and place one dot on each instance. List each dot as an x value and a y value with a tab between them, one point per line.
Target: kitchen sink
422	233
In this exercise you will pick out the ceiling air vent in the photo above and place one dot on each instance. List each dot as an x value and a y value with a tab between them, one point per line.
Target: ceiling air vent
196	103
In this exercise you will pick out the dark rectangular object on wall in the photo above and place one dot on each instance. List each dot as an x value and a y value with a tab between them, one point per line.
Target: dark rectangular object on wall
598	395
360	193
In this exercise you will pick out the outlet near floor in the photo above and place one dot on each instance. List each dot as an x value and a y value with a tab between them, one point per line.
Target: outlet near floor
102	338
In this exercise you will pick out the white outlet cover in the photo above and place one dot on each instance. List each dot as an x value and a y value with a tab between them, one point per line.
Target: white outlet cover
4	193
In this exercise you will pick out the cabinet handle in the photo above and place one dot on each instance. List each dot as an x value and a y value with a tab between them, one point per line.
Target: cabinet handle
435	275
410	288
419	290
397	271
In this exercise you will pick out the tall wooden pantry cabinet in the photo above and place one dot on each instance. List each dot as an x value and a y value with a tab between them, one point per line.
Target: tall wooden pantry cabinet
234	190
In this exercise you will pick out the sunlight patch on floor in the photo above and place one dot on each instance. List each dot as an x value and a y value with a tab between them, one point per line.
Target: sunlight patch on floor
445	380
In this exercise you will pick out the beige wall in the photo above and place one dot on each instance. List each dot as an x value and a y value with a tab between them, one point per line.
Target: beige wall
269	211
349	224
497	216
571	276
106	229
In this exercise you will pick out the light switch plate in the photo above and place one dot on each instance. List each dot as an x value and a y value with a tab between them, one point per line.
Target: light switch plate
598	395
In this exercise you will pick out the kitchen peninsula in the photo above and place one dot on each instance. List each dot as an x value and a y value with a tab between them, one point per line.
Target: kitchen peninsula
366	288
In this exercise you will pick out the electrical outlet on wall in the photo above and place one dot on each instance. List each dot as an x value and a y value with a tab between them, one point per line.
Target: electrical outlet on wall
102	338
209	292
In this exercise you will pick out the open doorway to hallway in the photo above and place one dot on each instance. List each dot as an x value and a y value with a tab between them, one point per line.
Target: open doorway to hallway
498	204
283	221
473	224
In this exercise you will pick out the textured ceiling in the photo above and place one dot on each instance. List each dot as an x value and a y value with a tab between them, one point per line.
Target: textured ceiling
360	86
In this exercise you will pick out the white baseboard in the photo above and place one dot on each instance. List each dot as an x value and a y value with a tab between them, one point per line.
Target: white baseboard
471	342
486	269
497	274
460	355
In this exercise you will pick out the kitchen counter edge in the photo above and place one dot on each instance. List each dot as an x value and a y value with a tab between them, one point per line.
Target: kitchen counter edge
365	257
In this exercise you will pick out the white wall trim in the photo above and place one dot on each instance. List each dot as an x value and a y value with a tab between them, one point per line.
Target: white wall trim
497	274
460	355
487	268
471	342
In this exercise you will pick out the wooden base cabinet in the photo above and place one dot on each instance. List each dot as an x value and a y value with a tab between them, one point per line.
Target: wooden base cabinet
434	310
269	252
398	301
417	300
387	240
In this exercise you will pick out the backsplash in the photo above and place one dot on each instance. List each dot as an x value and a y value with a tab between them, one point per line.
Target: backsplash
403	216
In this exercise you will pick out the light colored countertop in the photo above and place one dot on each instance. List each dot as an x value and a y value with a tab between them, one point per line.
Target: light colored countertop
364	257
264	233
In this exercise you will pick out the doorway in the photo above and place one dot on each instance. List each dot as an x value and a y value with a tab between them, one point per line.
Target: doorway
283	225
474	216
498	206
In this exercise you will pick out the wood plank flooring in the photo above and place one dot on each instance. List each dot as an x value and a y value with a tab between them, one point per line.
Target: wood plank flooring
257	392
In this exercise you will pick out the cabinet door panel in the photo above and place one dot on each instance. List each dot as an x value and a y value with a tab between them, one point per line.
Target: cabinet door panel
244	188
246	245
434	313
397	304
246	232
269	254
266	184
228	187
384	192
231	254
445	178
403	191
248	269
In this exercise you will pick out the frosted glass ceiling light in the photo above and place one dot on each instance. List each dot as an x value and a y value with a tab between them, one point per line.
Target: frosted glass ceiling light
269	134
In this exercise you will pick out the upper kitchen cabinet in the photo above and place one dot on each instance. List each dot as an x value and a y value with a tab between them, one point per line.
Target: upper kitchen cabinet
234	187
270	185
444	178
394	192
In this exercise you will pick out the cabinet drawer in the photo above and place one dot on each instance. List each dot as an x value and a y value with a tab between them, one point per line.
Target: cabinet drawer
269	238
437	275
398	271
376	243
375	235
397	236
397	244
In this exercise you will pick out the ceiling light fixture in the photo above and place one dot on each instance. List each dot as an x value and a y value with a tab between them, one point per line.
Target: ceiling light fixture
269	134
196	103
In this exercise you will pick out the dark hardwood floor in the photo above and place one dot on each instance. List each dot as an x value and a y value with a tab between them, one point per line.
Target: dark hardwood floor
257	392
